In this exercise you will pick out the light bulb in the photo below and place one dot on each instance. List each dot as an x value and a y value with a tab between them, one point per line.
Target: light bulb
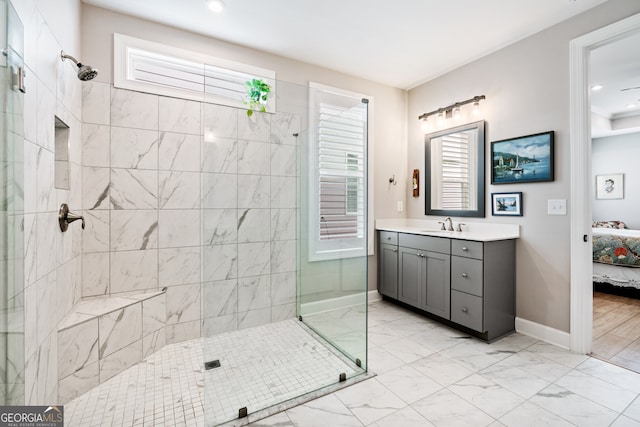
457	116
425	125
216	5
476	109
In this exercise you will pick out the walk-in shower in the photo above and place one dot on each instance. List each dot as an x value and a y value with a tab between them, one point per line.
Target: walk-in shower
282	287
224	259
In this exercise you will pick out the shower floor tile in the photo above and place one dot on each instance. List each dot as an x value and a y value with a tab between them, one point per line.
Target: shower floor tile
259	367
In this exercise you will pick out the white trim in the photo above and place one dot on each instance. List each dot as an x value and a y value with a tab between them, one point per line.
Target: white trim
581	314
543	333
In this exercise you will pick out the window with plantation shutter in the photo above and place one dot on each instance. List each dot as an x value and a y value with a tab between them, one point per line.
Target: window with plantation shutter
155	68
338	186
455	171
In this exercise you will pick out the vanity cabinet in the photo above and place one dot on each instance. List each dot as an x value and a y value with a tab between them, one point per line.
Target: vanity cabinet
388	270
424	279
465	283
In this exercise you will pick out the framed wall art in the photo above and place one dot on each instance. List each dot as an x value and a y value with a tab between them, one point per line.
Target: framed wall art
506	204
610	186
523	159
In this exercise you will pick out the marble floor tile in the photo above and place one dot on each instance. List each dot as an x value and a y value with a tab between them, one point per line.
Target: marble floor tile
623	421
323	412
487	395
441	369
515	380
380	360
611	373
406	417
461	381
445	408
633	411
409	384
370	400
572	407
597	390
530	415
408	349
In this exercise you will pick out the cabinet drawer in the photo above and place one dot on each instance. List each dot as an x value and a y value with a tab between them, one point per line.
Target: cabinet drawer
467	248
467	275
388	237
426	243
466	310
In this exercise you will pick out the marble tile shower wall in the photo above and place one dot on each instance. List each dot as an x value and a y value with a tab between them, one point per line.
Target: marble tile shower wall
52	259
194	197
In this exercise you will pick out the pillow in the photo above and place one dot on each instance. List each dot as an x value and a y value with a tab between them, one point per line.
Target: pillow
609	224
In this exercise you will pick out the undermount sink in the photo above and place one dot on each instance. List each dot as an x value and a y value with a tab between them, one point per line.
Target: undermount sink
437	231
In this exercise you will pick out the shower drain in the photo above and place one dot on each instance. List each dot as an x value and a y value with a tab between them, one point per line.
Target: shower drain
212	364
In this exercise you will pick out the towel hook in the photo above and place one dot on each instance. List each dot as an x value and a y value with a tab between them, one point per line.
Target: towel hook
392	180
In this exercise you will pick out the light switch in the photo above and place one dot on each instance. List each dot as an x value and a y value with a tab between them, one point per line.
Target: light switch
557	207
400	207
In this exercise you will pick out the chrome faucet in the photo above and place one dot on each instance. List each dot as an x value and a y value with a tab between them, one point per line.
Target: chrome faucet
450	226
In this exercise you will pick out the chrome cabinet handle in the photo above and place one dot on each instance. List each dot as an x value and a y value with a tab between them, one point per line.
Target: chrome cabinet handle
465	309
465	275
464	248
394	250
388	237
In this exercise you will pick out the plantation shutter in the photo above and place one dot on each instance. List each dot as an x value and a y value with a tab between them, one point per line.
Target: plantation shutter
154	68
341	165
457	169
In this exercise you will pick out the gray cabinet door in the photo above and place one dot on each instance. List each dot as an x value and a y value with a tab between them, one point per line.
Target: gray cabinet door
410	278
437	285
388	274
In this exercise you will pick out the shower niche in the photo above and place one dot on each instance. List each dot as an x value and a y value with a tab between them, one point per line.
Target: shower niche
61	175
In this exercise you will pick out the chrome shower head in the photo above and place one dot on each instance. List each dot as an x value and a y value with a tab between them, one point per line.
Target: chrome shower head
85	72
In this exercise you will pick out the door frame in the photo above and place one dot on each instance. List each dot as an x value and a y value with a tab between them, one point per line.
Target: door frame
581	307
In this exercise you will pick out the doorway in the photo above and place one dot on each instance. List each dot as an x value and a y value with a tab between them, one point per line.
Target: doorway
581	178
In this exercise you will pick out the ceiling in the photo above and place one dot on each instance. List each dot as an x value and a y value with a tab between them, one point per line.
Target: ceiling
402	43
616	67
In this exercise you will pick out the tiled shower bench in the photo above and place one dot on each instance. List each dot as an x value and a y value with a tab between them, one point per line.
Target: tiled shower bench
103	336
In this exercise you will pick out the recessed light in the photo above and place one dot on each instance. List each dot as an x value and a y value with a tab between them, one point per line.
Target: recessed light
215	5
596	88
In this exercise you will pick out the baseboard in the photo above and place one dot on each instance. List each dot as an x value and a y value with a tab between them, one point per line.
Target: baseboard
321	306
543	333
374	296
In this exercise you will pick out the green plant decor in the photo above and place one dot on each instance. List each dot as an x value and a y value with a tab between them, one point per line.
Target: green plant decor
257	93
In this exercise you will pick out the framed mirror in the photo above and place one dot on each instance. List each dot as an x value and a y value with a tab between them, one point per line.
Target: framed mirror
454	171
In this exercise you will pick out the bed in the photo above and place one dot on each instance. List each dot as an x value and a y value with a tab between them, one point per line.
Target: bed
616	254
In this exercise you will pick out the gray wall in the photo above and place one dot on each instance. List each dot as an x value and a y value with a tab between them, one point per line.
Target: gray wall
613	155
527	89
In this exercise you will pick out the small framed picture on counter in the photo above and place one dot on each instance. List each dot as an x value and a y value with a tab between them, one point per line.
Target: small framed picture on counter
506	204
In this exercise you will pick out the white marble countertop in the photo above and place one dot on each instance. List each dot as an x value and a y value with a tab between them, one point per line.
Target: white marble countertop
478	231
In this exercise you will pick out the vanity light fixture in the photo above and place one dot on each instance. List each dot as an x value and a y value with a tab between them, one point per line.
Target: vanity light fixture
216	6
453	110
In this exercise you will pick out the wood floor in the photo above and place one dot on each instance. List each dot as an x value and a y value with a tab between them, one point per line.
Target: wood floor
616	330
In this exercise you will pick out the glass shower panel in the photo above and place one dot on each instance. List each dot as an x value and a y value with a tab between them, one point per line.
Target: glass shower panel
11	209
258	353
333	238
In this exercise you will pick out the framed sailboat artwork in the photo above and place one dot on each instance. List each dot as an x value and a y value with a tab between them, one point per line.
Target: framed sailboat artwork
523	159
